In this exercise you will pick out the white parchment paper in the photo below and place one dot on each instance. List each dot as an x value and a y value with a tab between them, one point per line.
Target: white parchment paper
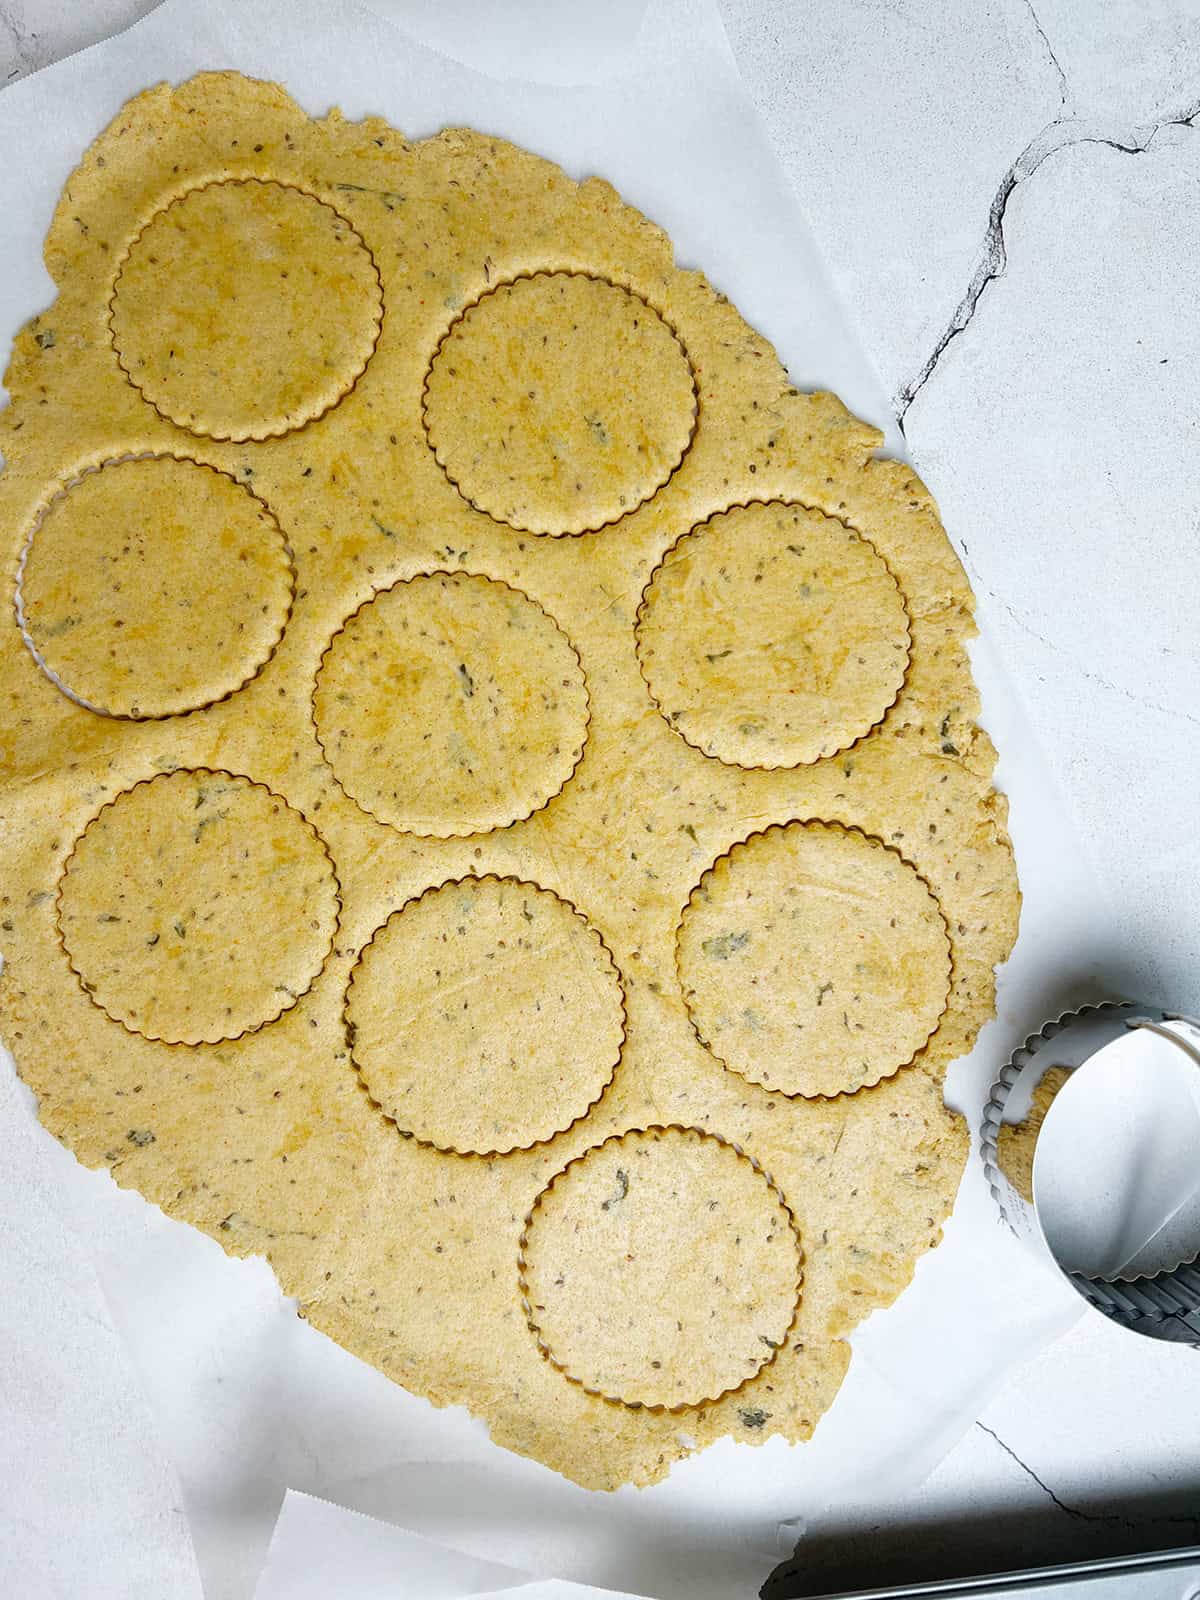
318	1550
247	1400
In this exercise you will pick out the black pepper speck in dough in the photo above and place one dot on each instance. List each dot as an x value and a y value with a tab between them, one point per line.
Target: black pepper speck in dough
407	1255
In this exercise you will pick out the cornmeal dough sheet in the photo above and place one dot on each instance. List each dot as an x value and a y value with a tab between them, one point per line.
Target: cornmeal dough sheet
264	1133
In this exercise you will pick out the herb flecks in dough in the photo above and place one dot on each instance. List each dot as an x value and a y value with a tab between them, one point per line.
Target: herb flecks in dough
571	780
826	904
765	652
154	586
560	402
438	745
507	982
245	308
693	1249
160	895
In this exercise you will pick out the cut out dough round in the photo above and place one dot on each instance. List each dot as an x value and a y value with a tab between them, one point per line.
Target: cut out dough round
246	308
813	960
155	586
773	635
197	906
486	1016
559	402
661	1268
451	704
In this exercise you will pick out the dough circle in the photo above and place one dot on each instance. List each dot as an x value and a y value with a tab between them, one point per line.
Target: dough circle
451	704
197	906
486	1016
246	308
773	635
813	960
155	586
559	402
661	1268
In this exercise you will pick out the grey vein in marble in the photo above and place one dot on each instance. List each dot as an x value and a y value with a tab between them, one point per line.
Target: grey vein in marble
993	255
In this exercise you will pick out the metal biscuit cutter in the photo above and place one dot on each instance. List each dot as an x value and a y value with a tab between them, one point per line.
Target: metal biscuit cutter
1166	1304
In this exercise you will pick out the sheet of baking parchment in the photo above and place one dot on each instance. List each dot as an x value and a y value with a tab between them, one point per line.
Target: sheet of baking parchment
248	1400
319	1549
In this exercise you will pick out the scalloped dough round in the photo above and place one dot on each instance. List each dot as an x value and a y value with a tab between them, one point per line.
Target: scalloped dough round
813	960
451	704
155	586
772	635
197	906
661	1268
559	402
246	308
486	1016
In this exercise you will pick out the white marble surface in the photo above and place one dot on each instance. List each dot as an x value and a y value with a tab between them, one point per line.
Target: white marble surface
1009	199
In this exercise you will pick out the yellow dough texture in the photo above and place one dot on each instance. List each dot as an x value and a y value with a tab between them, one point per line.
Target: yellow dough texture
451	704
773	635
492	813
197	905
155	586
485	1016
244	308
559	402
814	960
689	1247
